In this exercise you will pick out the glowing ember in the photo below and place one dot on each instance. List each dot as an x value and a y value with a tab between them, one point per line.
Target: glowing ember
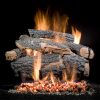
48	86
77	35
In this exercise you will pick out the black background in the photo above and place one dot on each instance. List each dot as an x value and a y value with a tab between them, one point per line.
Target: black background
18	16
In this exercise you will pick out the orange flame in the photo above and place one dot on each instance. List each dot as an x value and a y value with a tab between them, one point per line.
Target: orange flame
77	35
60	23
52	77
42	21
73	73
36	65
57	23
64	76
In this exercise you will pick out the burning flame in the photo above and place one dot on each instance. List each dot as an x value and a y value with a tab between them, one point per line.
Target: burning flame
77	35
73	73
60	23
52	77
36	65
64	77
57	23
42	21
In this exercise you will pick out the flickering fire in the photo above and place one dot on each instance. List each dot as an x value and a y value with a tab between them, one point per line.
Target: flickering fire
74	73
77	35
42	21
57	23
64	75
60	23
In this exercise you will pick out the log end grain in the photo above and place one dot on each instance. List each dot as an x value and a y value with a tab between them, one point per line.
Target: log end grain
86	52
11	55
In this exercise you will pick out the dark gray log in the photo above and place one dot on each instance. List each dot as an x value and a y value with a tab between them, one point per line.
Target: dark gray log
50	34
81	50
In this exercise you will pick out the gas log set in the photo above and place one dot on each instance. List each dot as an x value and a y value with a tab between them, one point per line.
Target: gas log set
53	60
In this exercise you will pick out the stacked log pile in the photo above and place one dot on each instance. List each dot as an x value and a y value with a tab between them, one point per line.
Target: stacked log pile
55	56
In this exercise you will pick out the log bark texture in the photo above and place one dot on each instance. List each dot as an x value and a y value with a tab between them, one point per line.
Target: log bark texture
24	64
39	44
50	34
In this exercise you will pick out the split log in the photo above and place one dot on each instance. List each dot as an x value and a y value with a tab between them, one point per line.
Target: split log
81	50
13	54
50	34
41	45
